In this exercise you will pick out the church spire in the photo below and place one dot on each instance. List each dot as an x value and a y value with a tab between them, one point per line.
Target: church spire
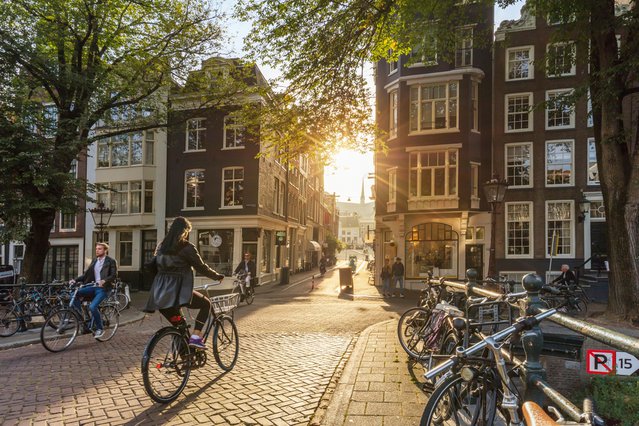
362	199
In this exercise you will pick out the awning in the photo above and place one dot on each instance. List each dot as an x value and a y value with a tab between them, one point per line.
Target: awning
313	246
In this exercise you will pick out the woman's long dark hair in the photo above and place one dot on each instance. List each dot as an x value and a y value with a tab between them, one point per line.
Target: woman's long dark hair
176	237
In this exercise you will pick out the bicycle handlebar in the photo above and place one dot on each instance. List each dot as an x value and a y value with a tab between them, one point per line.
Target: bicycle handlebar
522	324
207	285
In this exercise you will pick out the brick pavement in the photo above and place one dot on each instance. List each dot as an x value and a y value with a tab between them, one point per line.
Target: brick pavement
294	349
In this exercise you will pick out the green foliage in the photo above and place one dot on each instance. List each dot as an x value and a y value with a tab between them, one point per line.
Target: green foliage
334	244
617	399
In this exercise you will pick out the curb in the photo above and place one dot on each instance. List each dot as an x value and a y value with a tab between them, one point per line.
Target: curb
334	403
29	340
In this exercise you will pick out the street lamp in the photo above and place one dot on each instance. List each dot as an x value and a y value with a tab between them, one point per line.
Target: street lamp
101	216
584	207
495	190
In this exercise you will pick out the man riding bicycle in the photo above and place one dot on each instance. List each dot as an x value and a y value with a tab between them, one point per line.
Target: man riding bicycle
102	270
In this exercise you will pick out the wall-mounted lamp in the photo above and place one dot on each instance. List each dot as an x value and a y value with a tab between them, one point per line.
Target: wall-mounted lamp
584	208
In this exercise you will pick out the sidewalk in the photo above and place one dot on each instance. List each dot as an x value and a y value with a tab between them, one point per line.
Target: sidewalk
376	386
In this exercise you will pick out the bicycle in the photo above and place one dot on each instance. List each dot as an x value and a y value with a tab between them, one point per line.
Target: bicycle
242	285
62	326
119	295
168	360
479	390
16	313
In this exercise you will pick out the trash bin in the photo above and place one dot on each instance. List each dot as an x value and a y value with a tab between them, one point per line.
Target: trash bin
284	273
345	278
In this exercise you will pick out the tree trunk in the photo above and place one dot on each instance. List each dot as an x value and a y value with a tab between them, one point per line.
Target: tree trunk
37	245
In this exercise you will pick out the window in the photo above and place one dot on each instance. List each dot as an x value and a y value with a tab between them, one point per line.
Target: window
433	107
559	163
519	63
148	196
464	51
593	168
392	185
216	248
49	120
475	101
194	187
233	186
195	133
480	232
67	221
392	67
474	180
559	223
597	210
126	150
560	59
119	197
234	133
519	229
560	113
267	242
125	248
278	197
519	164
433	174
136	197
149	147
392	129
590	119
519	115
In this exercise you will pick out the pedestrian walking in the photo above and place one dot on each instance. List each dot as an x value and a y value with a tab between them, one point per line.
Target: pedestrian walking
386	278
398	276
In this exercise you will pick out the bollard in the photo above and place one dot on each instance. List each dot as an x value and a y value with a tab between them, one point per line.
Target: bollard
532	341
471	275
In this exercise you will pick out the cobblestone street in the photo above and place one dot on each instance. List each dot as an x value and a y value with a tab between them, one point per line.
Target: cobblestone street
292	344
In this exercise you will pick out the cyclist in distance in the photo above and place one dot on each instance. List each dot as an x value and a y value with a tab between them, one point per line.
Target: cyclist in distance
102	270
174	260
247	266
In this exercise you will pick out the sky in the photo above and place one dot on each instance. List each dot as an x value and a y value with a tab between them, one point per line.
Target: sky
344	176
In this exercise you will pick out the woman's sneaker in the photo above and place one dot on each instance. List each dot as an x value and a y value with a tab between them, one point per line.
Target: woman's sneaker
196	342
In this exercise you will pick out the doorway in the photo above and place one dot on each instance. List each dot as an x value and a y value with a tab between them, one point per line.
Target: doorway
475	258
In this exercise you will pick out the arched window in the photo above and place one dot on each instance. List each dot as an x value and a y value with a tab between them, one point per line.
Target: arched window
431	247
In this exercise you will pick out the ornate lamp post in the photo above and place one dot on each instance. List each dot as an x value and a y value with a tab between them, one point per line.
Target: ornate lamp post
101	216
584	208
495	190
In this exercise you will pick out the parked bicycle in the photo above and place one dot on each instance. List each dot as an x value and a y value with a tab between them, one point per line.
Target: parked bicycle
475	386
242	286
119	295
63	326
168	360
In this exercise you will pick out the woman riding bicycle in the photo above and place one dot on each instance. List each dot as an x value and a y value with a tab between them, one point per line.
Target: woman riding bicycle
175	258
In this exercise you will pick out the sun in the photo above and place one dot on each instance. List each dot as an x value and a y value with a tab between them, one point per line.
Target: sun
344	176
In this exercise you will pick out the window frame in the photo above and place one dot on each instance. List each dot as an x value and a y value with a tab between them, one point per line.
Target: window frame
572	163
120	250
571	210
106	146
224	182
419	102
573	64
419	170
591	141
531	230
392	185
474	99
530	167
393	105
571	124
531	62
236	127
462	47
507	114
197	130
186	188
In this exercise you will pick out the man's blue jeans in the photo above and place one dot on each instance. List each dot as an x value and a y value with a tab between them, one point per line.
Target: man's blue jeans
98	294
400	280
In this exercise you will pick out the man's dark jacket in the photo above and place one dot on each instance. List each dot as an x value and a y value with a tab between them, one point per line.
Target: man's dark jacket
108	272
241	269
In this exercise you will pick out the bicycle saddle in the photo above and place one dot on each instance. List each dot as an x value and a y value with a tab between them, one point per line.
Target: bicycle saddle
536	416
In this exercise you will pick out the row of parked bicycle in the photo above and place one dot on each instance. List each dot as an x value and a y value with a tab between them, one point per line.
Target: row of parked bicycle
19	308
465	345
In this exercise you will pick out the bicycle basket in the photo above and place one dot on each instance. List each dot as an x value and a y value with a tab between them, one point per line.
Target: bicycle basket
225	303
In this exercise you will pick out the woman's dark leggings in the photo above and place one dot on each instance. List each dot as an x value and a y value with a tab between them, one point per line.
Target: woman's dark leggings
198	301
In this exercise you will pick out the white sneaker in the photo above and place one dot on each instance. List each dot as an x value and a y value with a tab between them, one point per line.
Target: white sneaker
98	334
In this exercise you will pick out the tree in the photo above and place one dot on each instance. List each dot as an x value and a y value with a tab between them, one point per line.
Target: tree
67	66
322	47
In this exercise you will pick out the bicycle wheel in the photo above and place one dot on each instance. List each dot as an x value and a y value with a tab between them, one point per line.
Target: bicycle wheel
110	322
410	331
120	301
9	322
462	402
60	330
166	365
579	307
226	343
250	295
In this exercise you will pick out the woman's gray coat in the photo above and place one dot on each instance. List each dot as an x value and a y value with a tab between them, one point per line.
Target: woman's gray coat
173	283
